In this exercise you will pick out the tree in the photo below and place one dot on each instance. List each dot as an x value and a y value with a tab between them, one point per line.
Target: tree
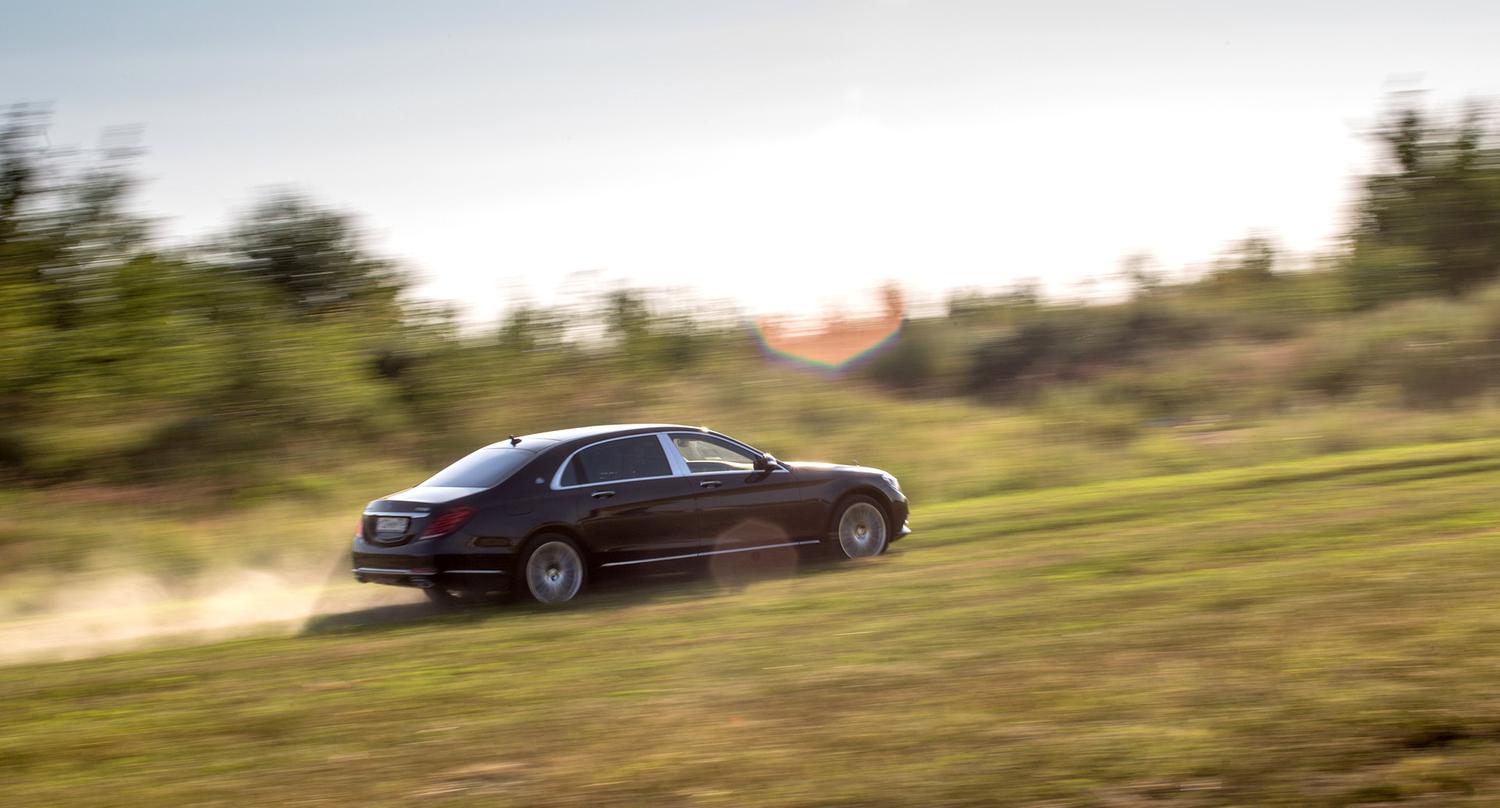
313	256
527	329
18	174
1142	274
1252	260
1431	214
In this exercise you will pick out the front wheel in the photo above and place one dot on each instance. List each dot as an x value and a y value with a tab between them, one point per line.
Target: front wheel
863	529
552	571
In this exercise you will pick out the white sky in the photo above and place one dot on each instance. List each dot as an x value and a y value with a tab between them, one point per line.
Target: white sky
782	155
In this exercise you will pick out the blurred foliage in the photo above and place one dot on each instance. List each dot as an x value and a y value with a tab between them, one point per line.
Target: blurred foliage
197	351
1429	217
313	257
288	336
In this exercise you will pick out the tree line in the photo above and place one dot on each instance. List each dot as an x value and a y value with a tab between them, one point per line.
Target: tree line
122	357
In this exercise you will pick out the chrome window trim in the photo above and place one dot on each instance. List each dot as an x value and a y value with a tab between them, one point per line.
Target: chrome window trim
709	553
557	476
754	453
776	470
674	458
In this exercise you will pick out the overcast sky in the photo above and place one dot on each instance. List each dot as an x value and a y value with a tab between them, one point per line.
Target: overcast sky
783	155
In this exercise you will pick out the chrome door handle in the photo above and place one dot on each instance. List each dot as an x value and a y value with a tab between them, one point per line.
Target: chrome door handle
710	483
603	494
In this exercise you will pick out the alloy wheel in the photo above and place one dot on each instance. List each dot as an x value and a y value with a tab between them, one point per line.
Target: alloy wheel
554	572
862	530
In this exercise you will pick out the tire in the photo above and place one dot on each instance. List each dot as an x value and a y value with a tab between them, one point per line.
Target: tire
552	570
862	529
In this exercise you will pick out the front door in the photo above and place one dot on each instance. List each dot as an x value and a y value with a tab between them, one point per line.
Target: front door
739	506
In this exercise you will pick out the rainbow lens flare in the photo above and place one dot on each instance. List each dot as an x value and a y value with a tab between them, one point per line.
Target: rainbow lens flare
833	342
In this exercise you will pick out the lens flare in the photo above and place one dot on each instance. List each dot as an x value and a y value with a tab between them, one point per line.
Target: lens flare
833	341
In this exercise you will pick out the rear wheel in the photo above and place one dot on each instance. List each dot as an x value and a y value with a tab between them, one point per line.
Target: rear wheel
552	570
862	528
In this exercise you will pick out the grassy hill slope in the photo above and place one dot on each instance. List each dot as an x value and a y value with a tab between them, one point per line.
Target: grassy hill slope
1321	631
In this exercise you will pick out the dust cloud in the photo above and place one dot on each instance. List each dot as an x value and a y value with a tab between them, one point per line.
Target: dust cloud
91	614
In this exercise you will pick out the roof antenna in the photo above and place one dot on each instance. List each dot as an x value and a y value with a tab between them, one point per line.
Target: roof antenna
514	440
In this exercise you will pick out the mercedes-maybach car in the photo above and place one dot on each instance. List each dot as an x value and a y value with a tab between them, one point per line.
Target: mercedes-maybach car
537	514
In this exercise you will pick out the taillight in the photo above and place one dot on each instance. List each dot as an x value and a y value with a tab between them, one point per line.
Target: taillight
447	522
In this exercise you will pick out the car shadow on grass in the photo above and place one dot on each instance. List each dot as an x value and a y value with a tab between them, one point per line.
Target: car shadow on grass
607	590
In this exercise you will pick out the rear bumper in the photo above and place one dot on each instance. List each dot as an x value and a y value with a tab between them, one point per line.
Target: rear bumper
408	565
425	578
903	532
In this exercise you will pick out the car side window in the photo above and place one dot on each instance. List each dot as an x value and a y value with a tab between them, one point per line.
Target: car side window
623	459
705	455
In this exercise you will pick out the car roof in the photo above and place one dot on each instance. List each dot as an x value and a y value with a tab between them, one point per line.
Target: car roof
590	432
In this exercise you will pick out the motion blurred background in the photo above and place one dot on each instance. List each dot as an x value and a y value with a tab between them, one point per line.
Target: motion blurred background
262	263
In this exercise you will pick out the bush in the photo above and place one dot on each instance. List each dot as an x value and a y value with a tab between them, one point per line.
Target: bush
1430	353
1076	414
910	362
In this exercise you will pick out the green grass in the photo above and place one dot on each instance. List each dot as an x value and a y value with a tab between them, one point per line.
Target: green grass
1318	632
297	507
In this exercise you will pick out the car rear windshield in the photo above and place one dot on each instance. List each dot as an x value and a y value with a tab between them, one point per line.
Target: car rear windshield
482	469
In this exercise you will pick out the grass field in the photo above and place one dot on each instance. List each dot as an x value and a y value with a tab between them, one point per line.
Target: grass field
1318	632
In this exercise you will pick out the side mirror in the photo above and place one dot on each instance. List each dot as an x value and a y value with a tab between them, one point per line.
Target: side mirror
766	462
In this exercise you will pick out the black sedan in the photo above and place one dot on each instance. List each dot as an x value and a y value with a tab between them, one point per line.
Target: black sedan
536	514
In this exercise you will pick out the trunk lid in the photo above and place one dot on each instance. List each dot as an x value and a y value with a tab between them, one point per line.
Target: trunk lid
401	517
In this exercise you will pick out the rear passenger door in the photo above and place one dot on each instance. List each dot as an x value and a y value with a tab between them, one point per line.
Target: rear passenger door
631	506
